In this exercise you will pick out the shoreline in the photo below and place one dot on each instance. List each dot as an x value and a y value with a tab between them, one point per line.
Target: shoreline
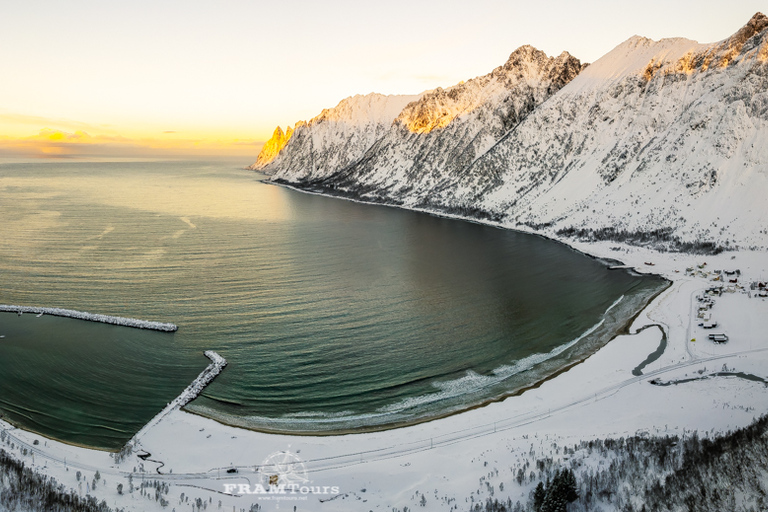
596	397
499	396
567	364
206	376
623	329
550	374
14	427
615	264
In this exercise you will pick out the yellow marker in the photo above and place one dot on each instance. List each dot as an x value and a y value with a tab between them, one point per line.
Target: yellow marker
693	339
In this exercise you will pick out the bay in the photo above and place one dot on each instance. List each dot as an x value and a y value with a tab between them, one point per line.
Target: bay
334	316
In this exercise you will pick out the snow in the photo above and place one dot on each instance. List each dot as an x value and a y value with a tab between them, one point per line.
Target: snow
340	135
440	130
630	58
656	136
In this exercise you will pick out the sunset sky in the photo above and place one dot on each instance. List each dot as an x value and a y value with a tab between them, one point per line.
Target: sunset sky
160	78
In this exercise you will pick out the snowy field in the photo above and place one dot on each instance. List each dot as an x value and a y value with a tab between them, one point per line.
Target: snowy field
455	461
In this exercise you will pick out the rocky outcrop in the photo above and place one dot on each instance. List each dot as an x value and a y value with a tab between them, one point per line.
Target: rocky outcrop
272	147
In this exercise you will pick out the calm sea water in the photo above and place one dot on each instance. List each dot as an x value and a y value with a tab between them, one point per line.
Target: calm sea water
333	315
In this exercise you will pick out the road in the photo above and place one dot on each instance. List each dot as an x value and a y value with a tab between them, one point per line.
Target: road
354	458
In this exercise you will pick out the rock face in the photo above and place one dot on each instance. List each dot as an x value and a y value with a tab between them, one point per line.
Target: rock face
658	142
273	147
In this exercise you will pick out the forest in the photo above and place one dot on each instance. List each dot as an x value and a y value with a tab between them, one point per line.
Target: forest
642	473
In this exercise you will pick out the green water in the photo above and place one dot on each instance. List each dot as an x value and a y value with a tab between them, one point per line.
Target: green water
333	315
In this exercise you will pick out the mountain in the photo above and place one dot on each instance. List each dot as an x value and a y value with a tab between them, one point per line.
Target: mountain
335	139
439	129
657	142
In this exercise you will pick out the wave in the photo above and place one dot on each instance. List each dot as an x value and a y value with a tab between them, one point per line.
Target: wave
473	382
408	409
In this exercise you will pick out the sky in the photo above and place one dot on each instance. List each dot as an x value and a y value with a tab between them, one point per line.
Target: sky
172	78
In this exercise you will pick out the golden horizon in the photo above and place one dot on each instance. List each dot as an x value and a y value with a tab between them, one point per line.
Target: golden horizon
58	143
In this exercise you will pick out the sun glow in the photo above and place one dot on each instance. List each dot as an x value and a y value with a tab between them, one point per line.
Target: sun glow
50	143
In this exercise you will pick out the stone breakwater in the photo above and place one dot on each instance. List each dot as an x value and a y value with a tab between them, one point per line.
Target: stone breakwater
190	393
206	376
91	317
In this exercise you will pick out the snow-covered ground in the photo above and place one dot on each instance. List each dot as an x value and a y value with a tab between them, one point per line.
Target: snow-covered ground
454	461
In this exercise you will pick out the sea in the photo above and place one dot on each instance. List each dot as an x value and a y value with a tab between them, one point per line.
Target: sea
335	316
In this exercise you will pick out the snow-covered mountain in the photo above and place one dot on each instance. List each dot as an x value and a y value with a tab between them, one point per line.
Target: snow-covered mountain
407	137
658	141
333	140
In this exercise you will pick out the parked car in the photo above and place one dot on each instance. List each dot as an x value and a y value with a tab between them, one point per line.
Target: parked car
718	338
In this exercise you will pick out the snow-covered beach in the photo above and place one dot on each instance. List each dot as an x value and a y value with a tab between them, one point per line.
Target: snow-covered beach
444	460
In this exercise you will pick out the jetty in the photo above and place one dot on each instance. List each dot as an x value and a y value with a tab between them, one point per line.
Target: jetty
91	317
190	393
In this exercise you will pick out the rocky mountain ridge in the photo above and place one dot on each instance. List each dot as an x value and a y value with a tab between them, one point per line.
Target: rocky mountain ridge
657	142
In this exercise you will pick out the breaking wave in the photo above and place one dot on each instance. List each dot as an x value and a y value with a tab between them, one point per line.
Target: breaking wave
450	396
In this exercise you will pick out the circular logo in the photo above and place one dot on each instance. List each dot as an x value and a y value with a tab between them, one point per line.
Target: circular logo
283	468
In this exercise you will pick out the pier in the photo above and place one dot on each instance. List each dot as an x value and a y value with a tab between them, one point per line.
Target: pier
91	317
190	393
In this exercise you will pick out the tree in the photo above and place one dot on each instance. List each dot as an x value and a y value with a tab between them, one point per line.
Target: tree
538	496
555	496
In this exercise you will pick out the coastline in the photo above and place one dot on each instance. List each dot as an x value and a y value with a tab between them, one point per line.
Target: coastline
554	369
595	397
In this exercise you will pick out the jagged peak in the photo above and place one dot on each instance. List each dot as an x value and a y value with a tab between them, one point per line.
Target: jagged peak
565	55
734	44
273	146
755	25
526	65
524	55
278	133
525	50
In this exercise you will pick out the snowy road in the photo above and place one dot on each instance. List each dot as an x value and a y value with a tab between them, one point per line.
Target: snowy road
388	452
